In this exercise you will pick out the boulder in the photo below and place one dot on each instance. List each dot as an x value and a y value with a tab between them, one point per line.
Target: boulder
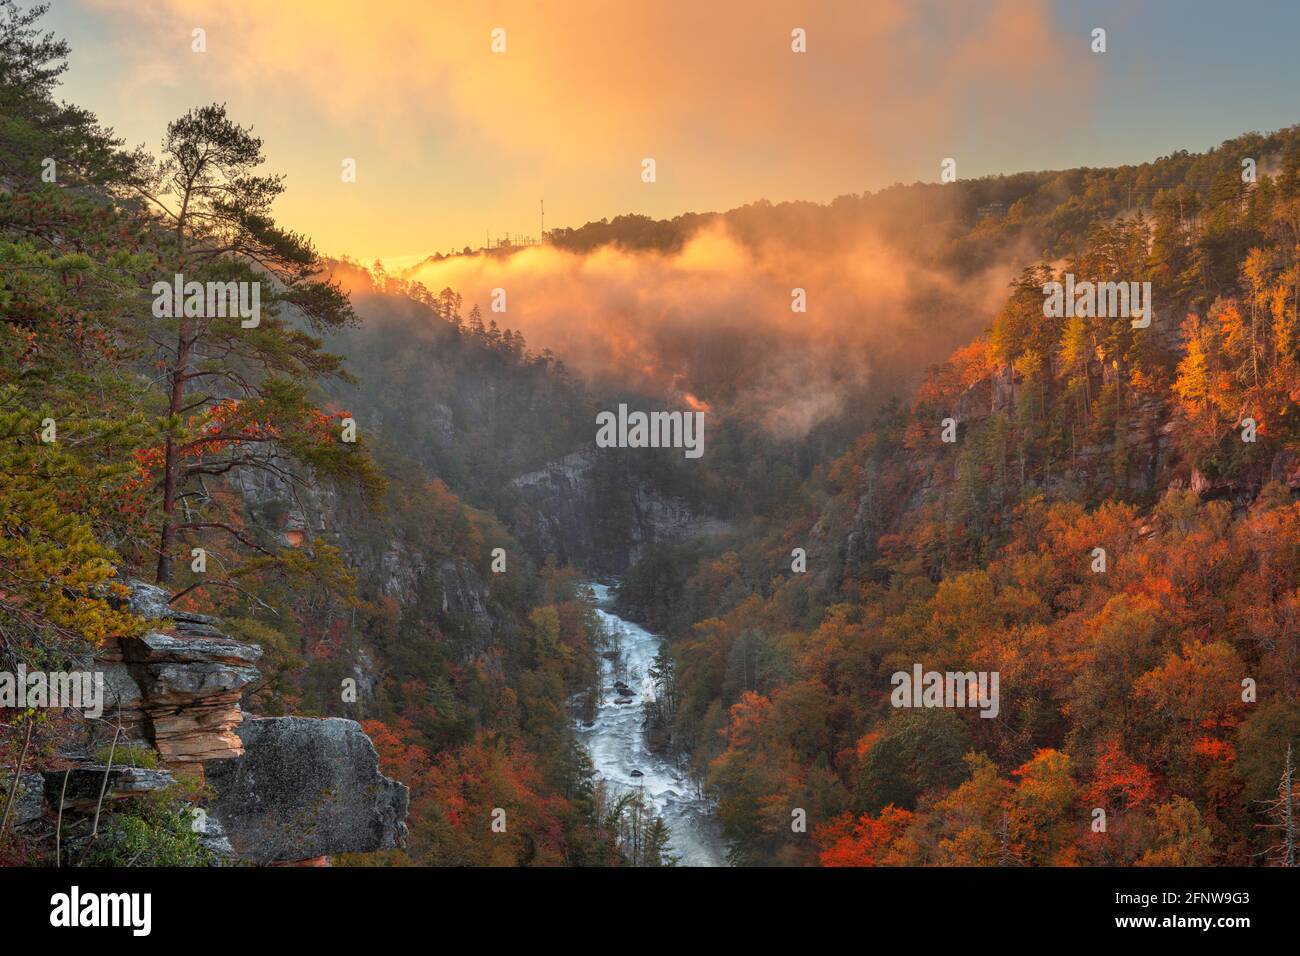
29	801
149	601
306	787
212	836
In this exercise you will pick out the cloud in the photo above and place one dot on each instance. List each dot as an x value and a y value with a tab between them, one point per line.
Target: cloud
706	88
714	322
453	140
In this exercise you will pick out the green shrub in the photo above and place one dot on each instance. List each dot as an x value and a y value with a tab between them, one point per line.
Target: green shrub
149	836
129	756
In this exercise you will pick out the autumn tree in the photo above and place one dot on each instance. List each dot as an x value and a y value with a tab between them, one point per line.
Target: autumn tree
974	817
68	275
1181	837
867	840
1042	819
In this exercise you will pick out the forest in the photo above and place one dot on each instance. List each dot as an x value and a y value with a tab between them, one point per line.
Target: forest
1105	516
130	439
1114	532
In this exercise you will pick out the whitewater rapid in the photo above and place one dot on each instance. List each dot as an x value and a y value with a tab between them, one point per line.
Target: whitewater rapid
616	742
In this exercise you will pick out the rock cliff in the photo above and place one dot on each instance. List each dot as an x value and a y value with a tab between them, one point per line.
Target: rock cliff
567	510
284	789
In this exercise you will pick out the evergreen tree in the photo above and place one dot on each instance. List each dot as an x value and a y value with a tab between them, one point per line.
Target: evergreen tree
238	395
655	852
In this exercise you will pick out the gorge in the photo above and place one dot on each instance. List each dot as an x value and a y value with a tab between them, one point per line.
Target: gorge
616	740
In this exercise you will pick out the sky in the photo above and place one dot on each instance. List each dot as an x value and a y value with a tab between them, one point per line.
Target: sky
454	141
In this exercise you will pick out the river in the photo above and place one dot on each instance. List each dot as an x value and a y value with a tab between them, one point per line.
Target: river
617	745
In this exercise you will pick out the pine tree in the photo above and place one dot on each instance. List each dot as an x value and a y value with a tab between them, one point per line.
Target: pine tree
655	852
237	396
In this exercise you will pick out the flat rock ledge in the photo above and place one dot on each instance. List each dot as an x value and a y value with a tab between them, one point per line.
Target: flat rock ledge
84	784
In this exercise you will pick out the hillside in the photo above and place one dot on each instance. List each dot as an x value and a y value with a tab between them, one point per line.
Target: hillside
1152	680
330	544
306	563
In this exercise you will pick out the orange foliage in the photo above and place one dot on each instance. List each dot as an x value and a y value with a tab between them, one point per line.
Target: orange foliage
867	841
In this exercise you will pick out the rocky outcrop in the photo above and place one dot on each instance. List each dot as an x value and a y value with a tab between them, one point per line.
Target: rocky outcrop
306	787
28	803
1241	487
293	513
178	687
603	526
286	789
191	686
990	395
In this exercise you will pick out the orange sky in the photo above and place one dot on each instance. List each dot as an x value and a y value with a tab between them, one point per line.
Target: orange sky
453	140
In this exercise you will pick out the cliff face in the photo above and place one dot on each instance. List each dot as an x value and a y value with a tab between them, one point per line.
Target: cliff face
1146	435
386	564
1140	461
284	789
603	527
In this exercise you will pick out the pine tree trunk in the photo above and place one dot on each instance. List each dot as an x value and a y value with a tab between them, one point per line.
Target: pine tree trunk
171	459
